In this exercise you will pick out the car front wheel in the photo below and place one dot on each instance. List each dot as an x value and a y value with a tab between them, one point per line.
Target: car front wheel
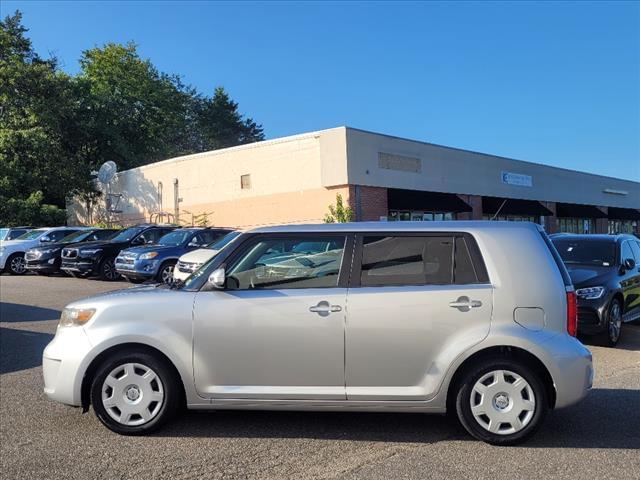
135	393
165	273
16	264
611	335
108	270
501	402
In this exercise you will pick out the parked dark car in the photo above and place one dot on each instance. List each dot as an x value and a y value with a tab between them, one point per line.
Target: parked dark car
11	233
97	258
46	259
157	261
605	270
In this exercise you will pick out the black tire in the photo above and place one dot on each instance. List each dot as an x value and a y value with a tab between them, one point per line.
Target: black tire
107	270
169	385
15	264
161	275
463	400
613	325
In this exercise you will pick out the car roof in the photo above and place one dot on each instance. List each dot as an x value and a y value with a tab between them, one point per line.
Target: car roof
424	226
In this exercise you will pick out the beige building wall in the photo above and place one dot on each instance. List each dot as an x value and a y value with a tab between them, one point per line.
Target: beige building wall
289	183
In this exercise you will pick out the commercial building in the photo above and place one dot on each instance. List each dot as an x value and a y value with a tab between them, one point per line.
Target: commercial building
294	180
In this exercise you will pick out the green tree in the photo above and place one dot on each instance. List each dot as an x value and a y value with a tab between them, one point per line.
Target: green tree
340	213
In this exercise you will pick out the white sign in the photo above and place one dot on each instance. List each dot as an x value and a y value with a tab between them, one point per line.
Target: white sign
518	179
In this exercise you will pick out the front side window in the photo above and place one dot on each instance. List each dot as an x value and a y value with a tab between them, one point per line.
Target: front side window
625	252
127	234
291	263
411	260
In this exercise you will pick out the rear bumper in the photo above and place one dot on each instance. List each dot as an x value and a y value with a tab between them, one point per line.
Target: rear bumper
572	369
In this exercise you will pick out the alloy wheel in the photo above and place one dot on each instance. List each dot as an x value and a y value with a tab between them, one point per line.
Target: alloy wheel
615	322
132	394
502	402
18	265
109	270
166	275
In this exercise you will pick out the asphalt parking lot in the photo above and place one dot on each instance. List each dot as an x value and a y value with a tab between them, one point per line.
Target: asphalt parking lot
599	438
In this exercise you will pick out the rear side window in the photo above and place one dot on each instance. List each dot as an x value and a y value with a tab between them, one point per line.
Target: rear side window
419	260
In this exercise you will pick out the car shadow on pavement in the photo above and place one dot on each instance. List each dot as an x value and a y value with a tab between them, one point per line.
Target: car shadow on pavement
607	418
21	349
18	312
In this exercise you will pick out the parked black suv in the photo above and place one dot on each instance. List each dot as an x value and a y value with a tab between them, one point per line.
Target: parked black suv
97	258
605	270
46	259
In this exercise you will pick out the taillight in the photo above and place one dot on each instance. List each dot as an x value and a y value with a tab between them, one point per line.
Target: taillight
572	313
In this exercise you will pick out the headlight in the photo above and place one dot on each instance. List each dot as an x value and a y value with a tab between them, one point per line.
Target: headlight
90	251
35	253
148	256
75	316
590	293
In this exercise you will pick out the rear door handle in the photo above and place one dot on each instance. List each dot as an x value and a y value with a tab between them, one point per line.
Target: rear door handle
324	308
464	304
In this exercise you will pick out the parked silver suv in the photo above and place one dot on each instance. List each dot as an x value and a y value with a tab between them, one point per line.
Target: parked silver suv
473	317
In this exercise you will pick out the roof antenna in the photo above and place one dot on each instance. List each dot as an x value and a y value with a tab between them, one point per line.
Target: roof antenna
498	211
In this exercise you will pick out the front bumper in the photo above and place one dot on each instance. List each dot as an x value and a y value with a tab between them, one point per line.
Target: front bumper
62	365
83	267
592	315
141	269
43	265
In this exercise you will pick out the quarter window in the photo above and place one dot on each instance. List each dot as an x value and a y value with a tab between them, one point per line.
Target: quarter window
291	263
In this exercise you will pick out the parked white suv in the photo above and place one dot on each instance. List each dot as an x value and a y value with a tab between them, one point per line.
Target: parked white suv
192	261
474	317
12	251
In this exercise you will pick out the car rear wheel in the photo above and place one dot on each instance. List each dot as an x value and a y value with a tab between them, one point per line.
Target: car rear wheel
611	336
501	402
165	273
135	393
16	264
108	270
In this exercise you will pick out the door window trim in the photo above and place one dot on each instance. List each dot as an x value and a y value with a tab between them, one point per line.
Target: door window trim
474	251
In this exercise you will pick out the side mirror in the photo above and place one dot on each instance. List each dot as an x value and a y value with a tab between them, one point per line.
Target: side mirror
217	278
45	239
629	264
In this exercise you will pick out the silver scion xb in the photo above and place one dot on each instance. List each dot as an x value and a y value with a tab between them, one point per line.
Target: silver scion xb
476	318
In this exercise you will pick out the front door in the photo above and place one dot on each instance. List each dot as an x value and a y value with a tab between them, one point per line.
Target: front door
416	302
277	329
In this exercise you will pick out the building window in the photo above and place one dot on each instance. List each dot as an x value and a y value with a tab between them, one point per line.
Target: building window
513	218
576	225
622	226
245	181
418	216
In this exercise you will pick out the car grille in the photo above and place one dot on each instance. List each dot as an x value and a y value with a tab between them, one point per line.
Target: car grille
69	253
187	267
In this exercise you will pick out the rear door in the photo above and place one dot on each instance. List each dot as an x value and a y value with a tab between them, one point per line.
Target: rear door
414	303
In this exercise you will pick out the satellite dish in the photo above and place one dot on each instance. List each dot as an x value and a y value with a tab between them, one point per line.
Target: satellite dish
107	172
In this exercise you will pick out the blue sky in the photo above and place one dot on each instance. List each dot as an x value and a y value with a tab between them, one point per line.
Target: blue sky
548	82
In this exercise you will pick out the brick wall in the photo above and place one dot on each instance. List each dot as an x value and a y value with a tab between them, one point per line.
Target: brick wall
368	203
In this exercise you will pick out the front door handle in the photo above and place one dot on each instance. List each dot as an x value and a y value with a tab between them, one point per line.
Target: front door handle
464	304
324	308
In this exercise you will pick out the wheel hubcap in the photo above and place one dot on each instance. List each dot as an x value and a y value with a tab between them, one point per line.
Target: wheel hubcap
18	265
502	402
167	274
132	394
615	322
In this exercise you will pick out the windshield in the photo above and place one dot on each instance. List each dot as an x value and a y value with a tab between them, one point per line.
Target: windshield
590	252
76	236
175	238
220	243
127	234
33	234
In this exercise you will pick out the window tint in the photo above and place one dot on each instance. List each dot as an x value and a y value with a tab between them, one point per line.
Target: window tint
625	251
277	264
152	235
407	261
463	270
